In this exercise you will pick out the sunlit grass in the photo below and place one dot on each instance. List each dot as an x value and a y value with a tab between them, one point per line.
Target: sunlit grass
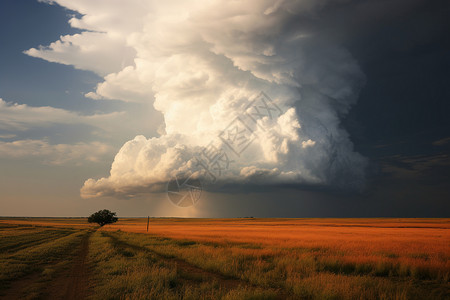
390	260
123	272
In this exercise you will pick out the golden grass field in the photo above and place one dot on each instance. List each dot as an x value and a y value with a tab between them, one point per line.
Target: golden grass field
43	258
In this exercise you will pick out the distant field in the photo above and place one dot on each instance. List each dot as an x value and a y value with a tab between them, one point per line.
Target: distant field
225	259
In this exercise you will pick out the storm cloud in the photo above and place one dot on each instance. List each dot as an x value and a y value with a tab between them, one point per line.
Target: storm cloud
204	66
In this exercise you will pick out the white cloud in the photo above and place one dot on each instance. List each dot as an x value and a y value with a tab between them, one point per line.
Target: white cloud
66	51
102	47
57	154
200	63
21	117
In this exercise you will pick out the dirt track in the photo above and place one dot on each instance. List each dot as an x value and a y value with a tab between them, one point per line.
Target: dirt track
69	283
74	283
78	280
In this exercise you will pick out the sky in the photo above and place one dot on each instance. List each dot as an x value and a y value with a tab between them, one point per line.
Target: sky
225	108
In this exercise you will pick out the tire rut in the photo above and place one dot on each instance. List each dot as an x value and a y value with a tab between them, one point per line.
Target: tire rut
72	284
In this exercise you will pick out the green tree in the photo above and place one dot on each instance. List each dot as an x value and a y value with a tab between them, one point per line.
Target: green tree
103	217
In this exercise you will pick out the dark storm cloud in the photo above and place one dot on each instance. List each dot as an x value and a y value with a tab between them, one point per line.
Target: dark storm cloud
401	120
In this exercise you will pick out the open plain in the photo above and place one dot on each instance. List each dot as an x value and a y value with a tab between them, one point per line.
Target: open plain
56	258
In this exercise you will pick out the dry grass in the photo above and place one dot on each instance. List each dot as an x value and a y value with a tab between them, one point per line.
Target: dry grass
313	258
126	272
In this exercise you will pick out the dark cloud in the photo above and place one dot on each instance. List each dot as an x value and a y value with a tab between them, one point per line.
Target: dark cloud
401	120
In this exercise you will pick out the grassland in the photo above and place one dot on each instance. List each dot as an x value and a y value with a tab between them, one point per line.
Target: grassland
228	258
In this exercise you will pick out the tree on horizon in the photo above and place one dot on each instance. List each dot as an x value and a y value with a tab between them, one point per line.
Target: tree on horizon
103	217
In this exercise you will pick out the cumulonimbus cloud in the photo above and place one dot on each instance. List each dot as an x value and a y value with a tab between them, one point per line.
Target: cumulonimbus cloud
204	65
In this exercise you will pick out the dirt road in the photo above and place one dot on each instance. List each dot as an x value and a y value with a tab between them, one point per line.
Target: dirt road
72	284
70	281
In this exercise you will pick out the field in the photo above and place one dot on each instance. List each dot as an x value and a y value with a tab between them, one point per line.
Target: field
44	258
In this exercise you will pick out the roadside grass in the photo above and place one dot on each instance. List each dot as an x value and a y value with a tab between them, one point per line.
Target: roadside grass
16	240
123	272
